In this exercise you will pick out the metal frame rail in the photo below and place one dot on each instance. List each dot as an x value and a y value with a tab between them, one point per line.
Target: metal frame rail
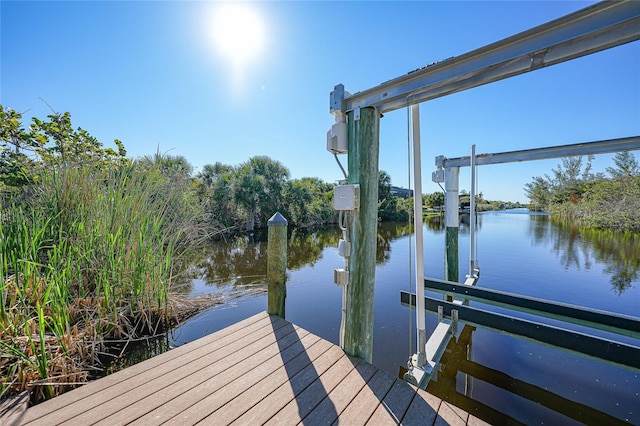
601	320
595	28
545	153
603	349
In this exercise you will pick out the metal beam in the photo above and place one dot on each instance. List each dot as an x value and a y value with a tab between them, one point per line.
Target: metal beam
615	323
592	29
617	353
545	153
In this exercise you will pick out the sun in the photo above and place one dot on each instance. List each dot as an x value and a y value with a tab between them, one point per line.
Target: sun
238	32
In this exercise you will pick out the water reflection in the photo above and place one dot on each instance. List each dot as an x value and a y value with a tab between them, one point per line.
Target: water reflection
503	379
458	373
242	261
581	248
436	223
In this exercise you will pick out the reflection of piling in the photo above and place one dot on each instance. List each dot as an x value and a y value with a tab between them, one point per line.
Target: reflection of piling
277	264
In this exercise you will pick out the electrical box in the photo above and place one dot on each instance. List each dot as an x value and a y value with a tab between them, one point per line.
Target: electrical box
337	138
344	248
341	277
438	176
336	98
346	197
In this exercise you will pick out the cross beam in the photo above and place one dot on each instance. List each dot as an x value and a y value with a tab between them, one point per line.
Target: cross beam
545	153
592	29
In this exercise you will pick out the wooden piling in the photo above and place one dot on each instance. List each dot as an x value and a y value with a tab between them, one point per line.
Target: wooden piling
277	265
363	146
452	220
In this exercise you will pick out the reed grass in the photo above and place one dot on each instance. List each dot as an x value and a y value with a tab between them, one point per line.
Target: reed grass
86	259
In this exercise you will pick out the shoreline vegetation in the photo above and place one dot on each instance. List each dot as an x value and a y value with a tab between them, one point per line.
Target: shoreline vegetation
591	200
86	261
95	247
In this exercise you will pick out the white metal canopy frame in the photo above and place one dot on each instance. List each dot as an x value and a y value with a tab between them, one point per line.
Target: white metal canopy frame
598	27
593	29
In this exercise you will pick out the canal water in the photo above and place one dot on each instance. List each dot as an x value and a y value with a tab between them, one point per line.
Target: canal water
502	378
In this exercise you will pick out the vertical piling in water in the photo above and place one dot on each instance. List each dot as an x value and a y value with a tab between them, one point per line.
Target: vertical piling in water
452	220
363	145
277	265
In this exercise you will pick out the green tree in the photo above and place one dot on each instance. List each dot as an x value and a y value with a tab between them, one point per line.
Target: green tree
59	144
258	188
591	199
212	185
390	208
567	183
626	166
49	146
539	193
384	185
309	202
16	167
51	143
434	200
175	167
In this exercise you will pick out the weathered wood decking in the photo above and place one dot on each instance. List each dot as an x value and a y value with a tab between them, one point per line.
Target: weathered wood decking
263	370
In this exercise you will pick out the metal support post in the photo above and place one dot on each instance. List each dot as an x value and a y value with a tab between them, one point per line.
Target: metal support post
472	213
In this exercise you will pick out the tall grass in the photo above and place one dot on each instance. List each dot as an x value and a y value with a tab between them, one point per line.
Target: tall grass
87	258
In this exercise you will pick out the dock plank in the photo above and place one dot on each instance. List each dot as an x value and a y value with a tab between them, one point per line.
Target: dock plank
394	405
292	384
131	389
209	405
423	409
451	415
12	409
194	377
367	400
308	400
215	386
263	370
78	395
339	398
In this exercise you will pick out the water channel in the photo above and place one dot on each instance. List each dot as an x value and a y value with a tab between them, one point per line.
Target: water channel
505	379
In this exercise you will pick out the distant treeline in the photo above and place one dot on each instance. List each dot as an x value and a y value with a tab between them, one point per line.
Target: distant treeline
572	191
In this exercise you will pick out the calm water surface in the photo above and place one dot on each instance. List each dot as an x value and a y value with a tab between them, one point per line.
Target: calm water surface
504	379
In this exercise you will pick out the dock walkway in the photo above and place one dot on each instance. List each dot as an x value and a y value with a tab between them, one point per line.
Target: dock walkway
263	370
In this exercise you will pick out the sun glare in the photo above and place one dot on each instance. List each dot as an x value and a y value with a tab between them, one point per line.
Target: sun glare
238	32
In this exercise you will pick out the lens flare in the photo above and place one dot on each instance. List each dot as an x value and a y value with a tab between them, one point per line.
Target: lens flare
238	32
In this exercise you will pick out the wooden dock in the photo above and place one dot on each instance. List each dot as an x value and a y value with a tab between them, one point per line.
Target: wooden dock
263	370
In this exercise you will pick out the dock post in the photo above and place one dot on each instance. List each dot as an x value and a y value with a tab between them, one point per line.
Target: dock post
452	220
277	264
363	147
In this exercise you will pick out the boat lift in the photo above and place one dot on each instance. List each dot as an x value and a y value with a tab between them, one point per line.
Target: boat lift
595	28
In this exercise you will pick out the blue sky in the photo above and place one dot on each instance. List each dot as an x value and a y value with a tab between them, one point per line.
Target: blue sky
150	74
